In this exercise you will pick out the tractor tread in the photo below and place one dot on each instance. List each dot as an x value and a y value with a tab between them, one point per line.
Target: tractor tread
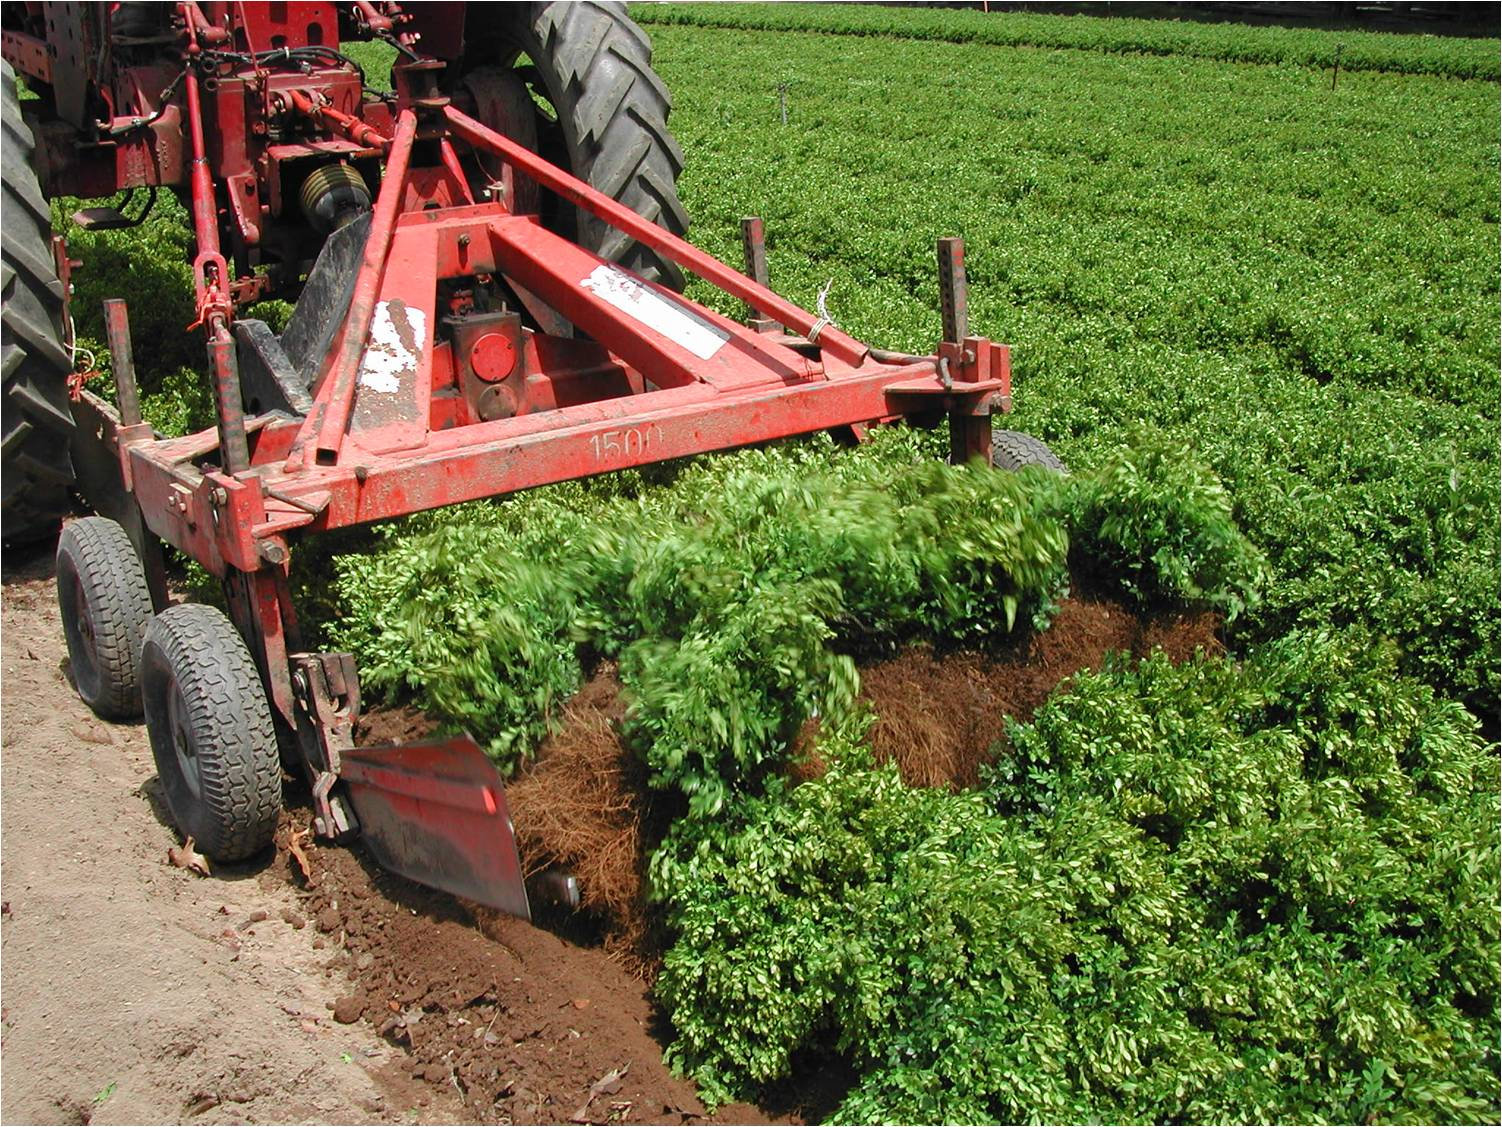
117	600
597	65
37	423
1015	449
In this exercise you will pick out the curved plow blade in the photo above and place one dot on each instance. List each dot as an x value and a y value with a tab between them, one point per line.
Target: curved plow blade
435	812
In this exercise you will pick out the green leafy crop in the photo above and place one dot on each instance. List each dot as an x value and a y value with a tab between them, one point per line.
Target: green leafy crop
1198	893
733	597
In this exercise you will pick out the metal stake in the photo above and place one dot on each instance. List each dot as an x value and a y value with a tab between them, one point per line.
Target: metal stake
122	360
954	297
754	242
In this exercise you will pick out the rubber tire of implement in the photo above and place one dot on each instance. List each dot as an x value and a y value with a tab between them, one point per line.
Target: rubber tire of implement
200	687
37	423
595	65
105	605
1012	450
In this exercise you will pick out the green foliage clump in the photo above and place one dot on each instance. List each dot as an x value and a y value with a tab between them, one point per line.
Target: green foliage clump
481	631
733	597
1157	525
1199	893
1224	42
736	606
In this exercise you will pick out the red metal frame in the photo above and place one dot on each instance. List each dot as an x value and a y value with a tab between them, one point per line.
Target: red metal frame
375	446
422	402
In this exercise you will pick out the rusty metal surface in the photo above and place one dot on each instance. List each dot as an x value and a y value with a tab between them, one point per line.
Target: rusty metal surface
27	54
70	41
435	811
954	293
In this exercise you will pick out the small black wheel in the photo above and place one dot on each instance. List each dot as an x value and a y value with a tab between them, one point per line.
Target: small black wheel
105	605
211	733
1012	450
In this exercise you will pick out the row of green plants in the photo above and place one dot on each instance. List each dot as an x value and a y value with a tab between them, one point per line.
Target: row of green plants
1299	285
1207	893
734	597
1222	42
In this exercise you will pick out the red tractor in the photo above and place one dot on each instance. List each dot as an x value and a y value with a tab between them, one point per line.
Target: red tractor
485	263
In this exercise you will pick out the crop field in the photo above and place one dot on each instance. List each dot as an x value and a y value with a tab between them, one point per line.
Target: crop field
1256	311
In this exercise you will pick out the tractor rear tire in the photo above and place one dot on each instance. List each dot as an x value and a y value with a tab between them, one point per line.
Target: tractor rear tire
211	733
105	604
1013	450
37	423
593	65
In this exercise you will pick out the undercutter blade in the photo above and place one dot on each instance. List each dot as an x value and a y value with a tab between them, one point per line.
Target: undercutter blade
435	812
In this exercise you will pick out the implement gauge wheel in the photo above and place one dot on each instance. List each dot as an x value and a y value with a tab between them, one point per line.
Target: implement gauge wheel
211	733
105	605
604	117
1012	450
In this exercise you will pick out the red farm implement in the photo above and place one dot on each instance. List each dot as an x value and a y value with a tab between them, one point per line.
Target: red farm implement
485	303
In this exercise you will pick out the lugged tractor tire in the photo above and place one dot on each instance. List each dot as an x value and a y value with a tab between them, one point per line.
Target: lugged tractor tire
594	66
37	423
105	604
1013	450
211	733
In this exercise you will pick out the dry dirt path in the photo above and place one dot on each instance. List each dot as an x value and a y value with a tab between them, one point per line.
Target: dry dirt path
132	991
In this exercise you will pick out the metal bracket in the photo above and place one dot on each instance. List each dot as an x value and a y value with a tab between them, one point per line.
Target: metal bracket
327	690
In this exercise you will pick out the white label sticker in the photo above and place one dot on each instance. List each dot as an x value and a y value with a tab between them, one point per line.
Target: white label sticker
679	325
396	334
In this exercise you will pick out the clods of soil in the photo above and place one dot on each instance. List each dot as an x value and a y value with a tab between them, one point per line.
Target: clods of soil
523	1026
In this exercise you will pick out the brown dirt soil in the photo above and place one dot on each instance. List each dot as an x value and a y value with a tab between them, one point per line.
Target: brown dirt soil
519	1023
940	717
136	992
132	991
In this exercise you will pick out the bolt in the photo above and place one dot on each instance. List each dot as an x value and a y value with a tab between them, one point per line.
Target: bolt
221	496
